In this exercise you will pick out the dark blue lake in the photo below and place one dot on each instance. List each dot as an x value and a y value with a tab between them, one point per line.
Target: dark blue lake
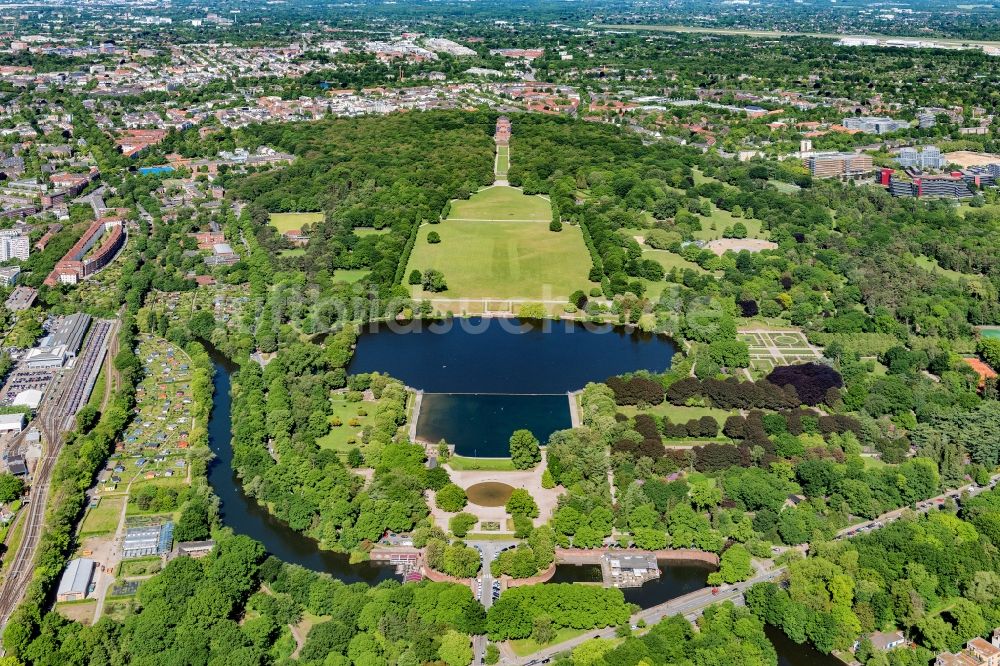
477	424
502	374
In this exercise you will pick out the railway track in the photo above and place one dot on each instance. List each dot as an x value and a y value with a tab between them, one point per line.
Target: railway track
55	416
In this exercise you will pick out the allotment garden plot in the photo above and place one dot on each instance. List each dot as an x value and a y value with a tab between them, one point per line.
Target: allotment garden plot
497	245
143	485
771	348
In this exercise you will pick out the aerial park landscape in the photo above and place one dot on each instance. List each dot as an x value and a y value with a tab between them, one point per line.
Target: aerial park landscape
463	334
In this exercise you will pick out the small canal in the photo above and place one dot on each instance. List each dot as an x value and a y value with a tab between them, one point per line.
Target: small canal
677	578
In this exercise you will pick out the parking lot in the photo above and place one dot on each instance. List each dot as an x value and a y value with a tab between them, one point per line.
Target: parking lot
24	379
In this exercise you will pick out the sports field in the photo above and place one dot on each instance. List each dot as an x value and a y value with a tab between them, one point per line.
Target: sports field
501	203
287	221
967	158
484	256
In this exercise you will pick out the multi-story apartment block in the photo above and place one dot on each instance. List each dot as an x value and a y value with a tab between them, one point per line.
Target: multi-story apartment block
839	165
14	245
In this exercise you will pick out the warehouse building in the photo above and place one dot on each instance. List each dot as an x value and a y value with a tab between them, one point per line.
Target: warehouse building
75	582
11	422
62	342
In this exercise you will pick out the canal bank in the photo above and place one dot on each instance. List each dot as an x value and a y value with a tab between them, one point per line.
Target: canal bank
245	516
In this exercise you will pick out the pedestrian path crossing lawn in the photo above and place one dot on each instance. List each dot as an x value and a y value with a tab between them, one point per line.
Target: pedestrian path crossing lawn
503	260
503	160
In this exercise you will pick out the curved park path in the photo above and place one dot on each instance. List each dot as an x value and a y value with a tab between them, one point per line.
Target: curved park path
528	479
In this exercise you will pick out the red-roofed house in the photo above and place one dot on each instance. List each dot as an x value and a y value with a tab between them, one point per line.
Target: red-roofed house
984	371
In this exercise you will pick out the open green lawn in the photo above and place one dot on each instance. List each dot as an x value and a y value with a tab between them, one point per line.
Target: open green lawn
655	289
294	252
501	203
503	160
104	517
669	260
461	463
721	220
503	260
680	413
993	209
345	437
931	266
872	463
286	221
369	231
526	646
142	566
782	186
700	178
350	275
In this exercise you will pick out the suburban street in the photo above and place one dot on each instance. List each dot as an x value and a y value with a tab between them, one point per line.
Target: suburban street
488	551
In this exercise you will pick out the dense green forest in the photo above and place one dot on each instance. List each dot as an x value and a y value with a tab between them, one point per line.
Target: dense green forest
936	576
390	172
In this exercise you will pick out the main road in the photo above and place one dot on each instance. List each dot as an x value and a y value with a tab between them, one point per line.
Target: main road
689	605
488	551
55	416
